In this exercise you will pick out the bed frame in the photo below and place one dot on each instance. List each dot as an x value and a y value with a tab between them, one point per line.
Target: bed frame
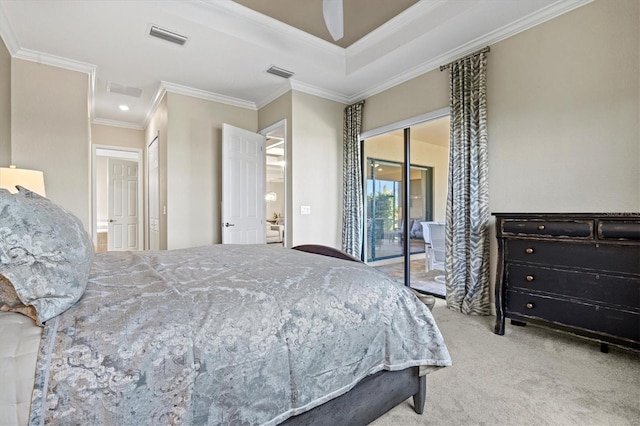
368	400
371	397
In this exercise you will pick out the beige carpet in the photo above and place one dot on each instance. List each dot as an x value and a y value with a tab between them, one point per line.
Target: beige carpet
529	376
419	278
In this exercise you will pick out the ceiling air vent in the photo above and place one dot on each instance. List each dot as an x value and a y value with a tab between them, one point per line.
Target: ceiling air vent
279	72
168	35
135	92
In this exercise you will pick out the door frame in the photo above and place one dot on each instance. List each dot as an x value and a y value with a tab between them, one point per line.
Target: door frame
147	194
404	125
287	211
94	197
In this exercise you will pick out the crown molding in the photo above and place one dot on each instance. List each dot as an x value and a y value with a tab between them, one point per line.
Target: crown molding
68	64
309	89
283	89
390	28
153	106
304	88
560	7
319	91
552	11
207	96
55	61
7	34
116	123
250	32
166	86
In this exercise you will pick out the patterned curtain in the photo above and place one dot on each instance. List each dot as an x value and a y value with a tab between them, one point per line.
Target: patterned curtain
352	201
467	229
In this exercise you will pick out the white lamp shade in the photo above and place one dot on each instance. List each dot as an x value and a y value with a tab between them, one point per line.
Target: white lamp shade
33	180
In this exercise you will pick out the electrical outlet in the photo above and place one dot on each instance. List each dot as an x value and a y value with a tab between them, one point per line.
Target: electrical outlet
305	209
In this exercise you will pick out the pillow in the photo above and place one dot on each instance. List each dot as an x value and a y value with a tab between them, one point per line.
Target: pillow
45	254
416	228
10	302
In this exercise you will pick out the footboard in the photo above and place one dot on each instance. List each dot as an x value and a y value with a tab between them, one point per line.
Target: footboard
369	399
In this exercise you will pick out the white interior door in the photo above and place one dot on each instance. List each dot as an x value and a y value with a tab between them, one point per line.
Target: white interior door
243	177
123	205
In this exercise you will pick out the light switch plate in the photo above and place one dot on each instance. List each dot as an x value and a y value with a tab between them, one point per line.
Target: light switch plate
305	209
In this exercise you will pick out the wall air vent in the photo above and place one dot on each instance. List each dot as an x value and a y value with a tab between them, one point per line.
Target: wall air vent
279	72
135	92
167	35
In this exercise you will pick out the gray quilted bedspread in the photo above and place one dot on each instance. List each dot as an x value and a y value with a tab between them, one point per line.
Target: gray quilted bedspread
224	335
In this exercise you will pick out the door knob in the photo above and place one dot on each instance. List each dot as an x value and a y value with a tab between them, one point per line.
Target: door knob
111	220
227	224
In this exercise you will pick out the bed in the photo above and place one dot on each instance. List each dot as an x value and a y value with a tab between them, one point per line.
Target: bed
208	335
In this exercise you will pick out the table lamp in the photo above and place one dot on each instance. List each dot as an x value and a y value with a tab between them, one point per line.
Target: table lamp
11	176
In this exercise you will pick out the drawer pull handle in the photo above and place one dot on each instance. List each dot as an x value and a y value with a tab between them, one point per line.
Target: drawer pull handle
529	305
530	278
541	227
528	250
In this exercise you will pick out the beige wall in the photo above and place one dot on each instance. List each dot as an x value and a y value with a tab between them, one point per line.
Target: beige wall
194	146
5	105
50	131
426	93
317	170
117	136
563	112
563	108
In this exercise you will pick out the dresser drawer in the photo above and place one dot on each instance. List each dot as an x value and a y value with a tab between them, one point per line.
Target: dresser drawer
549	228
601	257
588	286
619	230
621	323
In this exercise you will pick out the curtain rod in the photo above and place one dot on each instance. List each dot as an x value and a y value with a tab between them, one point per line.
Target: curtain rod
483	50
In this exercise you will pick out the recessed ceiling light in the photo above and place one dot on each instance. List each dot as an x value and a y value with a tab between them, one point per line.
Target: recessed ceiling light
123	107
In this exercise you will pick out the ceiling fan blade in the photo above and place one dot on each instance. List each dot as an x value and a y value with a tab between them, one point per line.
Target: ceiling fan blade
332	12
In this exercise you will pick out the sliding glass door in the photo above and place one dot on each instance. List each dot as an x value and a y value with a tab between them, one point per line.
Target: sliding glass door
383	197
400	203
385	191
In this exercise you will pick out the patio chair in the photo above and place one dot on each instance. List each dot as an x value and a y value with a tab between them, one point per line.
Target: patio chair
437	238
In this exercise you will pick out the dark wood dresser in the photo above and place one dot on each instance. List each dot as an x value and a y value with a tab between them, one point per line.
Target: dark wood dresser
575	272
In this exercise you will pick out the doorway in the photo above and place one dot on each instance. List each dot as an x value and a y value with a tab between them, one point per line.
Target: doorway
276	183
403	203
117	198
